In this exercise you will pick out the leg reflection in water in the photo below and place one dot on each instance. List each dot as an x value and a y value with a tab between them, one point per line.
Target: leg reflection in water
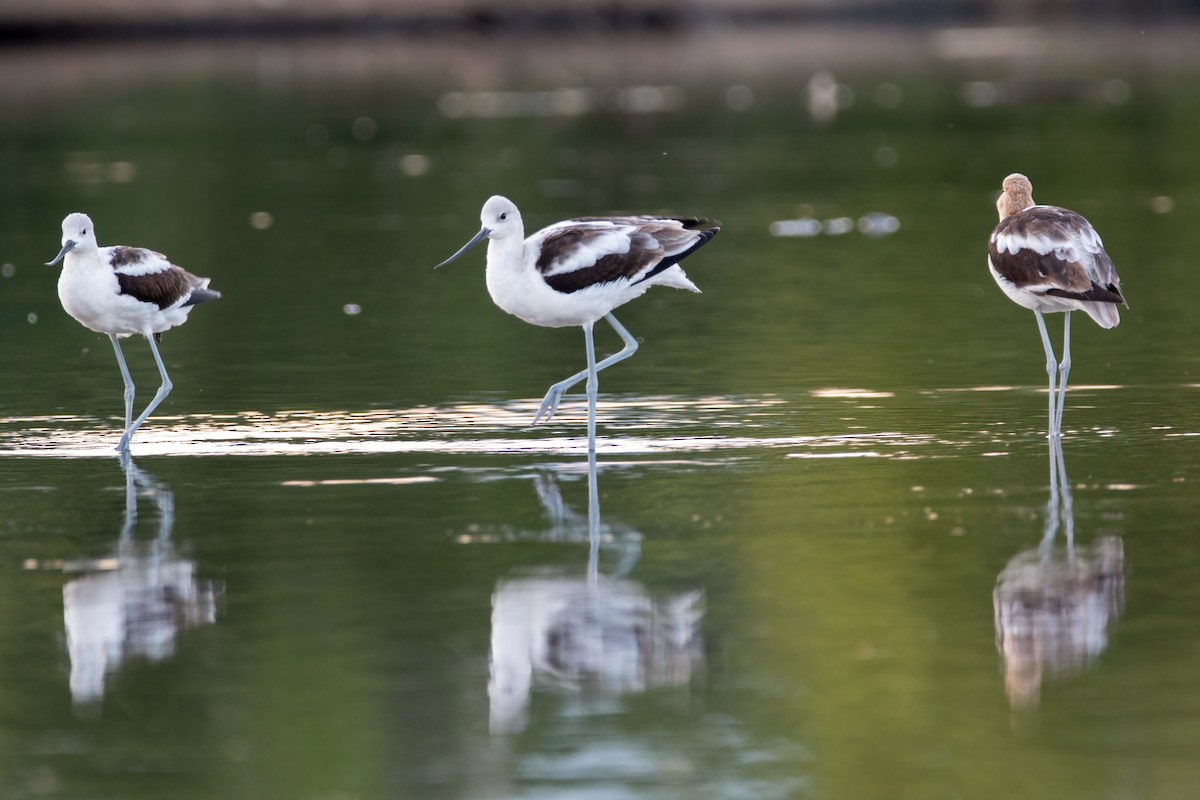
1053	605
133	603
591	636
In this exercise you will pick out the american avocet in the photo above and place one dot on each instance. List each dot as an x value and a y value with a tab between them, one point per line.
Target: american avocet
577	271
1050	259
122	291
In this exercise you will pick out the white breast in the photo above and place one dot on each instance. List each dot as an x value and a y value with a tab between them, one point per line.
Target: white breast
90	293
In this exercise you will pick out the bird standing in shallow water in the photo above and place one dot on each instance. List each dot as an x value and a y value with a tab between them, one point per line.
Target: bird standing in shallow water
1050	259
122	291
577	271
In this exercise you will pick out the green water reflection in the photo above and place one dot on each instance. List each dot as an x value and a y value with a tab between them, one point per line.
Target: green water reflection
812	474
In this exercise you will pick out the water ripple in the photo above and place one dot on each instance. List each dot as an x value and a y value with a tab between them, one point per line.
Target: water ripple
635	426
631	425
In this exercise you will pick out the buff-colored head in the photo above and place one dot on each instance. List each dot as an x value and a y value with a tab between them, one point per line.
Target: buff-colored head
1017	195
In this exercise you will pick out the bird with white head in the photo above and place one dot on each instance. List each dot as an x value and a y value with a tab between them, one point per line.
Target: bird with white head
122	291
577	271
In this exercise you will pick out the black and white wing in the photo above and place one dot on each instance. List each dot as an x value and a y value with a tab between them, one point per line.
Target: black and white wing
1052	251
588	251
148	276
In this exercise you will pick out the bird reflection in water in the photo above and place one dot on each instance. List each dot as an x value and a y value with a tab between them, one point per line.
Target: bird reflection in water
592	636
1054	605
134	603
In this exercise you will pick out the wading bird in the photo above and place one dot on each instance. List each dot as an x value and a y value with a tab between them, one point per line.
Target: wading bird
122	291
1049	259
577	271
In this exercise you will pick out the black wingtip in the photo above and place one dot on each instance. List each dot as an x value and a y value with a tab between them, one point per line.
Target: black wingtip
706	236
1096	294
202	296
701	224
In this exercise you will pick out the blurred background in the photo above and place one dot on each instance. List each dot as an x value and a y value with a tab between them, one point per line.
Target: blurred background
583	14
321	154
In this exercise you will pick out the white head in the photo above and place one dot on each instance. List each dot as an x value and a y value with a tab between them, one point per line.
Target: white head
499	220
78	236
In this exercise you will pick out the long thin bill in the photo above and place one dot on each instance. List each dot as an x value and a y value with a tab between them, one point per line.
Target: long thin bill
61	253
476	239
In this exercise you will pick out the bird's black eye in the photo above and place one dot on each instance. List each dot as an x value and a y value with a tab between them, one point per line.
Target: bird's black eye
84	231
504	215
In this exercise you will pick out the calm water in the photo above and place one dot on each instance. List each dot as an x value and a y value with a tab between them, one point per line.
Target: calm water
835	555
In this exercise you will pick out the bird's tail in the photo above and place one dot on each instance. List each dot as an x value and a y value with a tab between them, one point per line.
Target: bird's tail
676	278
202	294
1103	314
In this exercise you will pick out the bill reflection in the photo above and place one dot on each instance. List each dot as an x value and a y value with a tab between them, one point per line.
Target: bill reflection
134	603
1054	604
591	636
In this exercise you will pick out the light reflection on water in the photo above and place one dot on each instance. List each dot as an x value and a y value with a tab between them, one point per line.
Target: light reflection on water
1054	604
593	634
462	428
134	603
630	425
805	558
572	646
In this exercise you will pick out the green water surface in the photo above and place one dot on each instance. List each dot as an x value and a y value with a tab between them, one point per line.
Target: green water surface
339	532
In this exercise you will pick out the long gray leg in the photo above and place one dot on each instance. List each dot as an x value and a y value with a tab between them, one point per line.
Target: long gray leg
1064	368
125	376
162	392
554	395
593	390
1050	370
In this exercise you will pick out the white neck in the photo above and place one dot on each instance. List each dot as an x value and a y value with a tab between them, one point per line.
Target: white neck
506	254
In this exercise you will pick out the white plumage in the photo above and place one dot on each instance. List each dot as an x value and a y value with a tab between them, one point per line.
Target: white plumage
121	291
577	271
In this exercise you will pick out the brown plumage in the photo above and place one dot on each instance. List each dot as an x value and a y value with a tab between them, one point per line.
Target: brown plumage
1059	271
122	256
164	288
654	244
1049	259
